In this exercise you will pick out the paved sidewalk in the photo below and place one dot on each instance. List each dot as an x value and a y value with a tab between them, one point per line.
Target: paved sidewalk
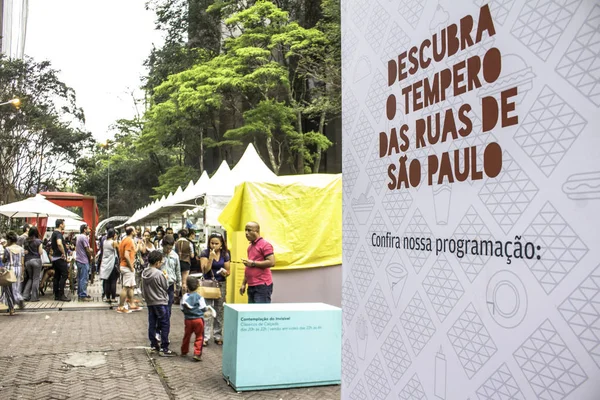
35	346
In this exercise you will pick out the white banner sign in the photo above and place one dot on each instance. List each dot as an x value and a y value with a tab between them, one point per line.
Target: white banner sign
471	199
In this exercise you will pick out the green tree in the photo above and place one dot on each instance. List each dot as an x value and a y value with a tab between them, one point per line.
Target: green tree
262	76
42	140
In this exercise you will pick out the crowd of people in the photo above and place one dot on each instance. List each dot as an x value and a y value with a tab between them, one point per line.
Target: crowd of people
166	268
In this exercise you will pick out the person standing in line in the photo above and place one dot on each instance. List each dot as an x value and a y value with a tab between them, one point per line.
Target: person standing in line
261	258
127	250
33	265
170	266
160	234
23	237
59	261
13	259
193	307
215	263
147	247
109	266
183	248
83	255
155	292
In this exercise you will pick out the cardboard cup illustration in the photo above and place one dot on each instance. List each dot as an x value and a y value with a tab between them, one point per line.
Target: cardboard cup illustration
397	275
441	200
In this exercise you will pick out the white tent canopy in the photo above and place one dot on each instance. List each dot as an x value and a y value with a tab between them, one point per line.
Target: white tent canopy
71	225
217	190
34	207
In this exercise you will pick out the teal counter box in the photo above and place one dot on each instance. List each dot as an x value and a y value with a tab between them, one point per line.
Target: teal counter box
273	346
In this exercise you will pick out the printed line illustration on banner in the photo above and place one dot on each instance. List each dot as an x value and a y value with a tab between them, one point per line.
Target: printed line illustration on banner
377	382
562	248
545	351
579	64
362	337
440	375
581	310
471	341
378	310
362	271
500	9
396	275
396	205
472	226
359	392
506	299
583	186
417	323
535	16
413	390
349	300
508	196
500	385
443	287
363	205
349	367
395	354
549	130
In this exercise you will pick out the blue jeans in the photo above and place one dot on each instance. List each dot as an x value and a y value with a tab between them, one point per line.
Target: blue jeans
83	270
158	320
171	292
260	293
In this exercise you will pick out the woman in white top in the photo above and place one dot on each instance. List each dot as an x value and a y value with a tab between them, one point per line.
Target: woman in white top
108	273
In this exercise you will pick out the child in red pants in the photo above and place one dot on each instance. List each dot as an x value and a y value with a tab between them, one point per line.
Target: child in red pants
193	306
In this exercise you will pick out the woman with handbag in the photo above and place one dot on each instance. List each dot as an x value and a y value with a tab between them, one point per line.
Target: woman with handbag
33	265
215	264
109	267
13	261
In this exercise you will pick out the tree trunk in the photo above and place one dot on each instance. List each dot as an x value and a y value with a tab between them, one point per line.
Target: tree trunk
201	150
272	156
319	151
301	146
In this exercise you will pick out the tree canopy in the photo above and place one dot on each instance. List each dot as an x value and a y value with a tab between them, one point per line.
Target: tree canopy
230	73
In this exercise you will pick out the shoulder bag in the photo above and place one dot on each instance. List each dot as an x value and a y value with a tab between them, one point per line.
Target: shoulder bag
7	275
209	289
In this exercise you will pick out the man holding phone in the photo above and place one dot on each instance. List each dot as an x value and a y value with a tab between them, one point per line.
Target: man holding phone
258	275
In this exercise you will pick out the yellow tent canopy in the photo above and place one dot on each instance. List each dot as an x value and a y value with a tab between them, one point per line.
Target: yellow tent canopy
301	216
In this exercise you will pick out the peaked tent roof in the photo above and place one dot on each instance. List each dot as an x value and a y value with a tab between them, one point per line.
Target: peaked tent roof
250	168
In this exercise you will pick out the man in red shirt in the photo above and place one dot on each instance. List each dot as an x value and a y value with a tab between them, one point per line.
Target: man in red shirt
258	275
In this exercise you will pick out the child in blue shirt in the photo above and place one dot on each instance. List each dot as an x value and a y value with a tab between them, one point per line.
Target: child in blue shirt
193	306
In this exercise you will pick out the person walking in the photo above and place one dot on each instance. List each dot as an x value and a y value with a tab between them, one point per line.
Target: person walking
83	255
127	251
215	263
155	292
59	261
34	249
257	275
193	307
13	259
109	266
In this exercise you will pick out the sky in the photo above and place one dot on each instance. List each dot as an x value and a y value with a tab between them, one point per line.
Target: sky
99	47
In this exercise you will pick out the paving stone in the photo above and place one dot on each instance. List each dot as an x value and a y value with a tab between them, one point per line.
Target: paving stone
35	347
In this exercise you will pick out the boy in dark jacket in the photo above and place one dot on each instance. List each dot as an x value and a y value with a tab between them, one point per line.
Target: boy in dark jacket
155	292
193	306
